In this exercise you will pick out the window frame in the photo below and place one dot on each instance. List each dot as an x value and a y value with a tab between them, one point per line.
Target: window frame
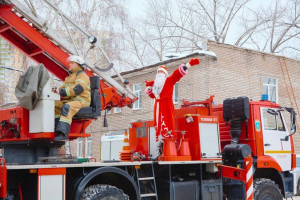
108	111
117	110
80	146
139	95
2	75
88	140
268	86
175	100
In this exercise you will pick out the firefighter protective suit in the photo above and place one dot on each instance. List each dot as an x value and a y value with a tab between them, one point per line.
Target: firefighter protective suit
76	94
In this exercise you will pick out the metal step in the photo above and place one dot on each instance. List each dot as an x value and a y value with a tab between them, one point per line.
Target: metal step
152	192
289	194
146	178
148	195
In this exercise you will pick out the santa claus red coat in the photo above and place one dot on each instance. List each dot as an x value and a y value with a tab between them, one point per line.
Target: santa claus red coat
163	106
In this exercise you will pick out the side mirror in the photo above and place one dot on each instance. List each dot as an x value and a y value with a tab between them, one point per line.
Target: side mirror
293	122
293	114
272	112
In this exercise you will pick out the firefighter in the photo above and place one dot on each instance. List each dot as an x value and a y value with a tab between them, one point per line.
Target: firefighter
75	94
161	89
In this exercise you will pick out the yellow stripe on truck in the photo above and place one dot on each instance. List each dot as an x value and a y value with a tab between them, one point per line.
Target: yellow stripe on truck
278	152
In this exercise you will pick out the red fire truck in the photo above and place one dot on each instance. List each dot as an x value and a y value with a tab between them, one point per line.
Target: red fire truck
238	150
238	129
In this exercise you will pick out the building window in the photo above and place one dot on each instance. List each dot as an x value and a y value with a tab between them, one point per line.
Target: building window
270	88
175	93
137	90
117	109
2	75
88	147
79	147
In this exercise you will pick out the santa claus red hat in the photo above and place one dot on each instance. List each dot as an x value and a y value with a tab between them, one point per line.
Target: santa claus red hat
163	68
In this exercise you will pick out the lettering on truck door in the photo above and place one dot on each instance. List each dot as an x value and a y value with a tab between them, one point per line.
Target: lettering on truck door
274	135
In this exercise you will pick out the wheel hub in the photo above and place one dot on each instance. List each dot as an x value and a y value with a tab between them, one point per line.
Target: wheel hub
267	197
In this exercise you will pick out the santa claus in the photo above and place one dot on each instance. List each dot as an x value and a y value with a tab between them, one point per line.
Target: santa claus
161	89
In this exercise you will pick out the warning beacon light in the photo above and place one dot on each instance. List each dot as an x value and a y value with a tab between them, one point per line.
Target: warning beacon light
264	97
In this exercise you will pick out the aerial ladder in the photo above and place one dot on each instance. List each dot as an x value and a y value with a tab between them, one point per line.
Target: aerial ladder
216	143
25	29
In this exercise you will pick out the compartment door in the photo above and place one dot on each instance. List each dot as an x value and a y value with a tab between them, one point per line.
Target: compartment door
209	139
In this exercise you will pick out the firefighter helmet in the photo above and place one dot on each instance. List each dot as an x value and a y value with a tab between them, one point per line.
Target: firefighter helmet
76	59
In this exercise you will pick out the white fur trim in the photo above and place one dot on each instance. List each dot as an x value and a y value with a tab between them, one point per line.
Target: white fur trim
188	65
181	70
162	69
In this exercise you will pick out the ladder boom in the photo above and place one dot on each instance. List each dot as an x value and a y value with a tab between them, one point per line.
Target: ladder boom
29	32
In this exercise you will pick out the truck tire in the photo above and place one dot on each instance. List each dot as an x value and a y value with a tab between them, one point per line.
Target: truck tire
103	192
298	188
266	189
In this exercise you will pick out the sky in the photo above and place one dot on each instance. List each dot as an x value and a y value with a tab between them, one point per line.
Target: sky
136	9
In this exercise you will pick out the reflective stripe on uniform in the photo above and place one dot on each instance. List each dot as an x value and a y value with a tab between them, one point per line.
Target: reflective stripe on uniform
65	120
78	98
68	85
82	81
57	116
68	91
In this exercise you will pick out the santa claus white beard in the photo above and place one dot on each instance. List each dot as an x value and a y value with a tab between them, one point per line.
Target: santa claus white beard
158	84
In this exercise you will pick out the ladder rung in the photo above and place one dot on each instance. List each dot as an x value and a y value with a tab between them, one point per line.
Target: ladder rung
148	195
146	178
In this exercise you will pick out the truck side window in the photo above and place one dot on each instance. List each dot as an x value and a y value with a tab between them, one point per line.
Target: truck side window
273	122
269	121
280	123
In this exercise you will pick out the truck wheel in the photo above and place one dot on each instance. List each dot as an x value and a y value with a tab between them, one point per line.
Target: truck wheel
266	189
103	192
298	188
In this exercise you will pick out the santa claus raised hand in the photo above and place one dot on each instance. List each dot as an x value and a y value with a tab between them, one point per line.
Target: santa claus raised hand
161	89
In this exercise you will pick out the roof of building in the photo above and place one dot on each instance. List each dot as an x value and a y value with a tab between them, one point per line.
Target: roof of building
211	42
174	57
